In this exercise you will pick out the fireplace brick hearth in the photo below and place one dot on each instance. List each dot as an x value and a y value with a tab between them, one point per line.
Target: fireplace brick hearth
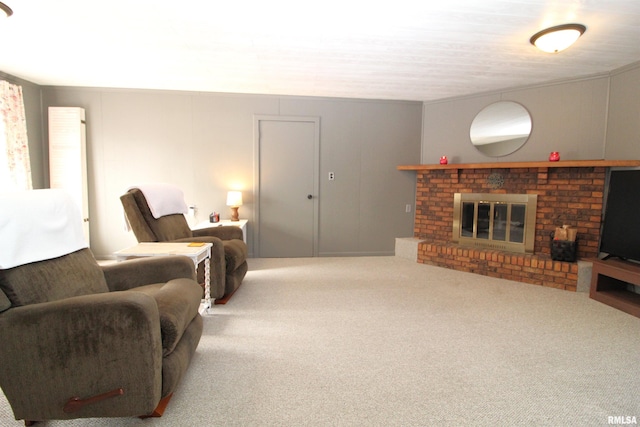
566	195
527	268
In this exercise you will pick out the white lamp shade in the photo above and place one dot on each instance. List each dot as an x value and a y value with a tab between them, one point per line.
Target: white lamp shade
234	198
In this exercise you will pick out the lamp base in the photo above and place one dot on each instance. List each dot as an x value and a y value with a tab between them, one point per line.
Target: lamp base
234	213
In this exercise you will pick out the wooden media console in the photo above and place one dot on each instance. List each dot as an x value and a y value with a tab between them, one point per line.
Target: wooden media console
611	282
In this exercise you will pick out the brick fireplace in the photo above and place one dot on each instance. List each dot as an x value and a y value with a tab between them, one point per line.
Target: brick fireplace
568	193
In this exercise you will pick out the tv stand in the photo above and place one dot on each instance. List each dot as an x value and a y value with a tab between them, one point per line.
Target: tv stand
611	280
614	257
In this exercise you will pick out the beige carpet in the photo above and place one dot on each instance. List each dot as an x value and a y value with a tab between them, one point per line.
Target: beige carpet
383	341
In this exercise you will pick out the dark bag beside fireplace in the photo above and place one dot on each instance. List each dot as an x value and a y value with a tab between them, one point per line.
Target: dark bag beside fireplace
563	250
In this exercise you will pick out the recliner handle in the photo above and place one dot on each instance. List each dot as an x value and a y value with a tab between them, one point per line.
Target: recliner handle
75	403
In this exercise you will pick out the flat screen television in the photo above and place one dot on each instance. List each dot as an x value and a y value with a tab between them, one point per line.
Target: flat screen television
620	237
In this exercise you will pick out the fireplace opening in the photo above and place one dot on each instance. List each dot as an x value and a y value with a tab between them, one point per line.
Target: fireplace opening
498	221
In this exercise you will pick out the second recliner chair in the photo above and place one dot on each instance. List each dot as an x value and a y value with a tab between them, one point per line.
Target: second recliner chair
228	254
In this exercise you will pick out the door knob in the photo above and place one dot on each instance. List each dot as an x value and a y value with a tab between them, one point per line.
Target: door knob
309	196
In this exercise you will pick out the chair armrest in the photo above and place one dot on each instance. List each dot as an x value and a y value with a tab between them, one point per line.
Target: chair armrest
82	346
143	271
224	232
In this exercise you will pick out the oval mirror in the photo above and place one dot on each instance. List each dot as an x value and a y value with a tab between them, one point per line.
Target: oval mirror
500	128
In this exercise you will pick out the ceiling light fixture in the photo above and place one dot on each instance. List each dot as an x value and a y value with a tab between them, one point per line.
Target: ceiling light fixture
6	9
555	39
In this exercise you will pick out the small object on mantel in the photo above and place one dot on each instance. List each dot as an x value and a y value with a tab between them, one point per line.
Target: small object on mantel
554	156
444	160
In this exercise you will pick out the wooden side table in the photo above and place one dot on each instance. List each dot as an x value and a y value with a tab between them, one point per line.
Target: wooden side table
198	252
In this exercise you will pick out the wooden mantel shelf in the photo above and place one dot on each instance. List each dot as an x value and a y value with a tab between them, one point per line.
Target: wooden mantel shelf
517	165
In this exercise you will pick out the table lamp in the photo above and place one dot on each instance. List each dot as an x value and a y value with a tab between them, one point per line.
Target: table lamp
234	200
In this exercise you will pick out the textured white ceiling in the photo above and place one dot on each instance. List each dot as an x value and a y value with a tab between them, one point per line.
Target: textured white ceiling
406	49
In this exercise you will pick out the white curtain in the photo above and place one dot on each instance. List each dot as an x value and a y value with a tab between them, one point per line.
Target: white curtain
15	167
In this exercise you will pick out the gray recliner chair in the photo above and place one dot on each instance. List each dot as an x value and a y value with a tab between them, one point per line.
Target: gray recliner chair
228	253
82	340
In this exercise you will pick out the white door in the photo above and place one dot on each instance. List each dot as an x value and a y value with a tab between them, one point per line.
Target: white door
68	157
287	186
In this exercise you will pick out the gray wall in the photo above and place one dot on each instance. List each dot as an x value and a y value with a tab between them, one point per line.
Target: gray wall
623	127
583	119
204	143
567	117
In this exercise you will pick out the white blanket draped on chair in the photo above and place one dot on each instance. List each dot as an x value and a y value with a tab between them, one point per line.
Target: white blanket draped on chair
163	199
32	227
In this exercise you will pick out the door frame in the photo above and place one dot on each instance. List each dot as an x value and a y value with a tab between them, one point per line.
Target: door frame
256	174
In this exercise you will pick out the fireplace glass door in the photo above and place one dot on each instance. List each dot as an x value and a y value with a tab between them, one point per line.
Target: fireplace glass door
500	221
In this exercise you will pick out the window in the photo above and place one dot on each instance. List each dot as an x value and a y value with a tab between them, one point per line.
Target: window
15	166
